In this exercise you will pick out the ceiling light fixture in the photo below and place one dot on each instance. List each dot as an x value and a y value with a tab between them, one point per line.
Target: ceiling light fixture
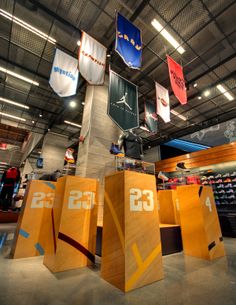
32	122
12	116
13	103
178	115
199	97
27	26
206	93
73	124
195	85
167	36
144	128
78	43
72	104
40	115
26	79
82	103
224	91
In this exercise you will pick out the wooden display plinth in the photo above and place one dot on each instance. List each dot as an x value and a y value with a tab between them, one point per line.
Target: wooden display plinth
31	232
131	245
168	207
73	224
201	233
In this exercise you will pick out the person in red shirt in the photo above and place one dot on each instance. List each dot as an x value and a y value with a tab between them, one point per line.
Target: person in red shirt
9	179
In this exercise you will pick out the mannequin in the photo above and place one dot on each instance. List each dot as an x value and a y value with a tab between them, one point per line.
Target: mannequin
132	143
9	179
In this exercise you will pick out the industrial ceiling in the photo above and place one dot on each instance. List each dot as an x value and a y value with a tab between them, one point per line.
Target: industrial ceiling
206	29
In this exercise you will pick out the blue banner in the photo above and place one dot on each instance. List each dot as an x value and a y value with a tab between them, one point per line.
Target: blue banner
128	42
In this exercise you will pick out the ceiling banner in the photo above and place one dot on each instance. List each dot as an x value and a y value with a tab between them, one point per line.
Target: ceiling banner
92	60
128	42
150	116
177	80
162	102
64	74
123	102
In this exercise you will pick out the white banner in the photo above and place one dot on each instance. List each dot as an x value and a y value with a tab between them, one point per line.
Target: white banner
64	74
163	102
92	60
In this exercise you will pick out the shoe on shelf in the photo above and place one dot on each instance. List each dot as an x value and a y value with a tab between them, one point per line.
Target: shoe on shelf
115	149
210	177
221	192
231	197
233	174
230	191
228	185
227	180
219	181
162	176
234	180
204	182
218	176
181	167
226	175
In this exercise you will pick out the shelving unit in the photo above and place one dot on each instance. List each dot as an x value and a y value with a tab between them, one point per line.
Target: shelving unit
224	187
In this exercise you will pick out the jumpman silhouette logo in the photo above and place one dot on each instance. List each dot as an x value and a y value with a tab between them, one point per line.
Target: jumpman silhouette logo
123	100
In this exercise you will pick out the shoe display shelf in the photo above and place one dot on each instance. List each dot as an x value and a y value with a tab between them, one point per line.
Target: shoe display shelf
224	187
124	163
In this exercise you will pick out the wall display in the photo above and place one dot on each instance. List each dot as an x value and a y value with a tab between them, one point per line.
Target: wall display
32	227
73	224
177	80
123	102
92	60
162	102
128	42
64	74
150	116
131	245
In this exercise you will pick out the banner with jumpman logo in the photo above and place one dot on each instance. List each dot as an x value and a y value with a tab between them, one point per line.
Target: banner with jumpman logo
123	102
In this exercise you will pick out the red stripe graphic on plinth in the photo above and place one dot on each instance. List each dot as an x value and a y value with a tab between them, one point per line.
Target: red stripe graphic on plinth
77	245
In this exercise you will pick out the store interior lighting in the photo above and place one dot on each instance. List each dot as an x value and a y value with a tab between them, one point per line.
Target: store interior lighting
144	128
26	79
167	36
73	124
27	26
178	115
199	97
72	104
78	43
13	103
206	93
224	91
12	116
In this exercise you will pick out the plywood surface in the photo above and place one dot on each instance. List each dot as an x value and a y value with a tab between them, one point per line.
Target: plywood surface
199	222
32	232
131	256
74	224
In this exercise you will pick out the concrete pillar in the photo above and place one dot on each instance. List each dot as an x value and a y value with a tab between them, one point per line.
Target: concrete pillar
94	159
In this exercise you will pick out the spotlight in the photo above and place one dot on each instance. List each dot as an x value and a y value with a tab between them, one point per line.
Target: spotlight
207	93
78	43
199	97
72	104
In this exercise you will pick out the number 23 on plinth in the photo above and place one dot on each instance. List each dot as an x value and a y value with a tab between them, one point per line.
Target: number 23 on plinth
131	247
73	224
31	233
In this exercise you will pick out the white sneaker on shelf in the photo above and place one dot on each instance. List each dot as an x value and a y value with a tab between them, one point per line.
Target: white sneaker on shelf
162	176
